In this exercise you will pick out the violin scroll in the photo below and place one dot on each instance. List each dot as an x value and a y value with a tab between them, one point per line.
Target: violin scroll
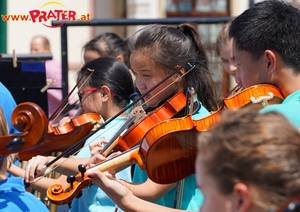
31	121
60	196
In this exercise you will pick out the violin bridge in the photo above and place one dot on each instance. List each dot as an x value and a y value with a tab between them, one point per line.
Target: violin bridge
190	93
138	112
97	124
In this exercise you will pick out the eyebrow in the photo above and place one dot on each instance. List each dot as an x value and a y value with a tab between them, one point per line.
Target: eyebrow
142	70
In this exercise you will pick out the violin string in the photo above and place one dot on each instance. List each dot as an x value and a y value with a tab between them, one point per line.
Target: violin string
45	167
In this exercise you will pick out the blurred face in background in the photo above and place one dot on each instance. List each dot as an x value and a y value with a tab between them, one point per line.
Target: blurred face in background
37	45
228	63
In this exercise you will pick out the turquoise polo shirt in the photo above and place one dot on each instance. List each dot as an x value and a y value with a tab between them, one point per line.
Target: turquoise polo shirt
289	108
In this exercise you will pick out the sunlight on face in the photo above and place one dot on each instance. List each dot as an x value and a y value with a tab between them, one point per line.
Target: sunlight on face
148	74
250	71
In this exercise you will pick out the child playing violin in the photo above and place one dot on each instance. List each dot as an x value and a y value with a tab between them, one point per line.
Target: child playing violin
106	91
266	50
13	196
156	51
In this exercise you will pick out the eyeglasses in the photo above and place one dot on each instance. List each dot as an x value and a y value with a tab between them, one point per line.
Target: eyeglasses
89	90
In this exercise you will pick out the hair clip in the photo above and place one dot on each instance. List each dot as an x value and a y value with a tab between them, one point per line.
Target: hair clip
131	96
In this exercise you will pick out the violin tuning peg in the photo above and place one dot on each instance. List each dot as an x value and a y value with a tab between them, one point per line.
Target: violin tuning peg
81	169
71	179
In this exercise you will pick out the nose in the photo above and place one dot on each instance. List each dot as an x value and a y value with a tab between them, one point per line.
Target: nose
232	68
139	85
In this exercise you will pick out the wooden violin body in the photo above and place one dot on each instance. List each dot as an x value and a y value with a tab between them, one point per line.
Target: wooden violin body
61	137
31	121
177	137
175	143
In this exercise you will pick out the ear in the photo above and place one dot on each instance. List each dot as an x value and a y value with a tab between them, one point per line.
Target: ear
178	75
105	93
271	60
47	48
120	57
242	196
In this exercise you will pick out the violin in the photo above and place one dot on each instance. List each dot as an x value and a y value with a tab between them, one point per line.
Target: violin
61	137
31	121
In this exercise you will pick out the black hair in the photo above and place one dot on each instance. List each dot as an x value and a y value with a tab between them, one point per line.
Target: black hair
273	25
113	73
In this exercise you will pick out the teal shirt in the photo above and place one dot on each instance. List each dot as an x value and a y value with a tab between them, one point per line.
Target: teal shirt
289	108
192	198
93	199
